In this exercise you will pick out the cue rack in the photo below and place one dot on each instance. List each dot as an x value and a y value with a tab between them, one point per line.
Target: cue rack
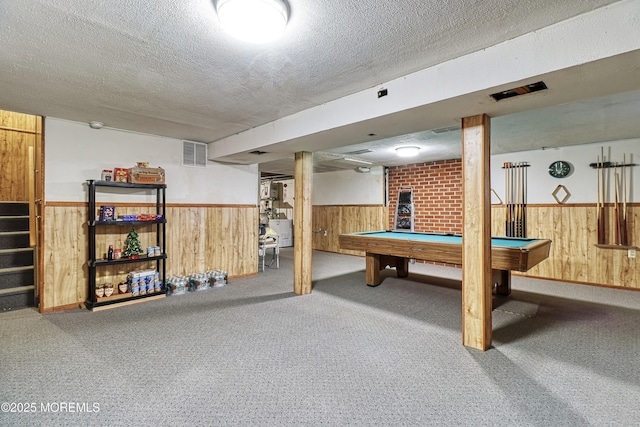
516	198
620	179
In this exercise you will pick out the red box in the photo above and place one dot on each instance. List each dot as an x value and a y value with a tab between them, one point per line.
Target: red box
121	174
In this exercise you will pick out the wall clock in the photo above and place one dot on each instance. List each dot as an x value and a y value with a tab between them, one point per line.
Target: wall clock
560	169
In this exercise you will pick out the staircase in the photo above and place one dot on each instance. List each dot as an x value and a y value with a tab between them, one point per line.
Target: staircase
17	274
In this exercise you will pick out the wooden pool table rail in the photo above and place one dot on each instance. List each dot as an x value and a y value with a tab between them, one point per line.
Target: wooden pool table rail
394	252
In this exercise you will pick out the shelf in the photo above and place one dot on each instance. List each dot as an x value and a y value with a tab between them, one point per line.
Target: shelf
125	184
607	165
116	300
141	258
620	247
157	232
123	223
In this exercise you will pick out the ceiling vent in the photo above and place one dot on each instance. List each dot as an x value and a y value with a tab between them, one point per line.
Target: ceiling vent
522	90
257	152
363	151
445	130
194	154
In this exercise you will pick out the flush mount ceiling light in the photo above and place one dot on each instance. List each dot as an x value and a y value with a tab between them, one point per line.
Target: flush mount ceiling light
254	21
407	151
96	125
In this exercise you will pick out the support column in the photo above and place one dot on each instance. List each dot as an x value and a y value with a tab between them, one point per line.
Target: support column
476	233
302	232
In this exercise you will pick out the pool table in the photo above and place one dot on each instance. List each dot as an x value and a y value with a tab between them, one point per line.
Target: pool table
395	248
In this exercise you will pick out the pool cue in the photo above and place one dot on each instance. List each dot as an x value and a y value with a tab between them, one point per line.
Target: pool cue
507	174
506	199
514	210
514	217
524	200
616	209
623	225
512	180
598	213
520	199
601	213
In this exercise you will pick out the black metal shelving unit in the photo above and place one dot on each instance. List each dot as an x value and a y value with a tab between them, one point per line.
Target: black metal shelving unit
94	263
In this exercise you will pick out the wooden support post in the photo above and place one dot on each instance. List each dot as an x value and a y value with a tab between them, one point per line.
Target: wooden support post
476	234
303	232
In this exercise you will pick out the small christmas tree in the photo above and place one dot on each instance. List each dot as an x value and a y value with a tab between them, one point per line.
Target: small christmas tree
132	245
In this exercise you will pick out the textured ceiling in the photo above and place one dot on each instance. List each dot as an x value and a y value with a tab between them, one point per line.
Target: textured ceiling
166	67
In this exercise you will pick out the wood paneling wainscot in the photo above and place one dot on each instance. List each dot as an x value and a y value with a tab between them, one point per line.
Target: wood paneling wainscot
334	220
574	256
199	237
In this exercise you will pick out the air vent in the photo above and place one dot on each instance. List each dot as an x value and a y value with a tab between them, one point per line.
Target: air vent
522	90
257	152
194	154
363	151
445	130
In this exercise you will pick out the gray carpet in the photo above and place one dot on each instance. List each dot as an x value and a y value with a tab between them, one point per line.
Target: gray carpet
253	353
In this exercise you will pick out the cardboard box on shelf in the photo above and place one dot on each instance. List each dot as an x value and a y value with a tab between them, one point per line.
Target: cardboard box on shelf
139	175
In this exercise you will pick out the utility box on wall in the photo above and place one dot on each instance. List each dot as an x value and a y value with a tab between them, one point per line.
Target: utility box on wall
271	190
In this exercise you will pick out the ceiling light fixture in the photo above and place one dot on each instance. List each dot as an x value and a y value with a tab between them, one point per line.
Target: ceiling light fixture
96	125
254	21
407	151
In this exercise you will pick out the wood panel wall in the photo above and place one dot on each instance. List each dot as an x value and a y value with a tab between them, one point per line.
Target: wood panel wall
574	256
17	133
199	238
341	219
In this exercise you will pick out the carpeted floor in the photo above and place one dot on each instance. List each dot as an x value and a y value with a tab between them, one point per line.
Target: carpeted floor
253	353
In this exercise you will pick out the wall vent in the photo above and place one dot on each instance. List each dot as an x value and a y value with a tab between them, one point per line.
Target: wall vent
194	154
517	91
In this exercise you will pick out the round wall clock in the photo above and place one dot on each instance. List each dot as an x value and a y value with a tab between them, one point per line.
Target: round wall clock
560	169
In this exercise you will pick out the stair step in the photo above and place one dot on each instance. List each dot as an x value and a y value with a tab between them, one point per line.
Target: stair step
11	270
14	223
14	239
14	208
16	290
17	271
16	276
20	257
17	300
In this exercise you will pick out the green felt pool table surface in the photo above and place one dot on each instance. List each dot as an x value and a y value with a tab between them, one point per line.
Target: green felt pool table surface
504	242
394	248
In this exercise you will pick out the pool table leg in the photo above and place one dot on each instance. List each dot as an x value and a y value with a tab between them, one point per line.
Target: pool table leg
502	281
373	269
377	262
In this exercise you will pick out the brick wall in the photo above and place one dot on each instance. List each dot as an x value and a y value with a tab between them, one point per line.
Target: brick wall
437	194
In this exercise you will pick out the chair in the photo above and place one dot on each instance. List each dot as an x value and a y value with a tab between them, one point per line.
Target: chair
264	244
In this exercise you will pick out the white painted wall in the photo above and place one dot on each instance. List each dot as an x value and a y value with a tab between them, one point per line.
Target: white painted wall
340	188
75	153
349	187
582	183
